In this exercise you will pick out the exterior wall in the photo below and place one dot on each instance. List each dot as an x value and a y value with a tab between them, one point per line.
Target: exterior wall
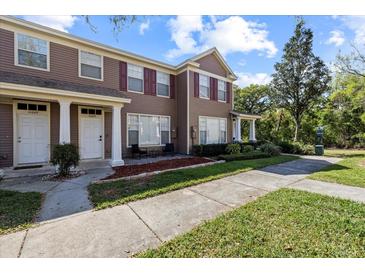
64	64
74	124
108	119
147	104
211	64
203	107
181	82
55	124
6	135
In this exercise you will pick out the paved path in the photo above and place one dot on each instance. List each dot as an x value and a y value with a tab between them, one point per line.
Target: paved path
127	229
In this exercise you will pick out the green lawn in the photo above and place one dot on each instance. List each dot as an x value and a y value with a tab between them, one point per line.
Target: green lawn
123	191
349	171
285	223
344	152
18	210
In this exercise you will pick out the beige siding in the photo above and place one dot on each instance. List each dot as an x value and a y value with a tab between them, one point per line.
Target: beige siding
6	135
55	124
74	124
211	64
108	135
181	83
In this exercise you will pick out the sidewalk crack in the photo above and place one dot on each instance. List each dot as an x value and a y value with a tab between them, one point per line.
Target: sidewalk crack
22	245
196	192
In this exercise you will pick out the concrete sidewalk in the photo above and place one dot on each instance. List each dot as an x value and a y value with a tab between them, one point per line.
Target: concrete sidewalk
127	229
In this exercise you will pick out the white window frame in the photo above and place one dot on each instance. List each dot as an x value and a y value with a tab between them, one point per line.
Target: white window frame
102	66
208	82
212	117
16	57
139	130
168	84
133	77
225	90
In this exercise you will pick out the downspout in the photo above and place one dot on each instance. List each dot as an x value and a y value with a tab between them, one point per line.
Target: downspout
187	111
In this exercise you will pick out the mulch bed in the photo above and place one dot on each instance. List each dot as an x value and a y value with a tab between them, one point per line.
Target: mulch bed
131	170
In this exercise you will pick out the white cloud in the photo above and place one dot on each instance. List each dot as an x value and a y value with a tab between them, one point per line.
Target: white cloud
59	22
357	25
144	26
337	38
231	34
246	79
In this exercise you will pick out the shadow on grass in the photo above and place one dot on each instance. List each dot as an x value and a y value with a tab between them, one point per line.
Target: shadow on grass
18	210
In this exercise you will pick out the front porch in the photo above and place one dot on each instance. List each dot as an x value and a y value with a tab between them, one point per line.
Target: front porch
39	118
237	117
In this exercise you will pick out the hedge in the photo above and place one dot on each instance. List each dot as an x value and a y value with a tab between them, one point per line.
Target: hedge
209	150
244	156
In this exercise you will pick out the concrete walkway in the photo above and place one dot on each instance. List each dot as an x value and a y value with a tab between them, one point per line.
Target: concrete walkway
127	229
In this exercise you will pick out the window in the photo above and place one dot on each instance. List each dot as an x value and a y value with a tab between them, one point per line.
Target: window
203	86
163	84
212	130
32	52
135	78
91	111
91	65
148	130
222	91
32	107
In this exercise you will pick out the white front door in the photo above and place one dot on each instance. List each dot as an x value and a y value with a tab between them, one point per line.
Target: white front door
32	138
91	137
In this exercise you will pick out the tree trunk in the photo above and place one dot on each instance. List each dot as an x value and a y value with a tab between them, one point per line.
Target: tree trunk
297	126
279	122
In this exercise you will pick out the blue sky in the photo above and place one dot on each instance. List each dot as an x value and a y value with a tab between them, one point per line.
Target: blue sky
250	44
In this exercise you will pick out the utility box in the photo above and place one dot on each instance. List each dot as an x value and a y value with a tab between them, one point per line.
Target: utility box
319	150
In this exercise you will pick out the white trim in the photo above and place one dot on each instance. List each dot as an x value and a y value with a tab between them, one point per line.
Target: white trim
225	90
246	116
209	87
207	73
79	116
16	57
213	117
188	110
62	93
102	66
135	78
169	87
144	114
15	129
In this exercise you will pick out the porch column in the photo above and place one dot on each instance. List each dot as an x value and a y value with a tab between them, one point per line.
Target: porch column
117	137
238	129
252	131
65	128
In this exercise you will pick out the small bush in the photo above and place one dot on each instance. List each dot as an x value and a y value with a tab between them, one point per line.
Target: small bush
296	148
209	150
247	148
244	156
270	149
65	156
233	149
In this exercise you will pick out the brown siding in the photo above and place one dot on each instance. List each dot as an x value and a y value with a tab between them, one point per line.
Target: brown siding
181	82
74	124
55	124
6	135
63	64
146	104
108	135
202	107
211	64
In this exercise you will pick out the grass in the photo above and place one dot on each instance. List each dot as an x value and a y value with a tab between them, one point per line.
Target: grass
18	210
123	191
285	223
349	171
344	152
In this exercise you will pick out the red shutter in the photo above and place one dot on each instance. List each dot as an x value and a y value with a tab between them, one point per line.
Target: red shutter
153	81
146	81
211	88
229	92
123	76
172	86
196	84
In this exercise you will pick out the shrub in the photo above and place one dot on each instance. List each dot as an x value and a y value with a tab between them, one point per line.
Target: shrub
247	148
209	150
233	149
307	149
270	149
296	148
65	156
244	156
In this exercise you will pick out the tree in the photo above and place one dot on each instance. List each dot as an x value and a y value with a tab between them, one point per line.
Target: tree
353	64
118	21
253	99
301	78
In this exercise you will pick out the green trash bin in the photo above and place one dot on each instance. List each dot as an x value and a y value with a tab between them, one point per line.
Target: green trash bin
319	150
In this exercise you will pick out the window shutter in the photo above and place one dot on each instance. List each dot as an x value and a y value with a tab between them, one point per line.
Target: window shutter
123	76
153	81
196	84
215	89
211	88
229	92
172	86
146	81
